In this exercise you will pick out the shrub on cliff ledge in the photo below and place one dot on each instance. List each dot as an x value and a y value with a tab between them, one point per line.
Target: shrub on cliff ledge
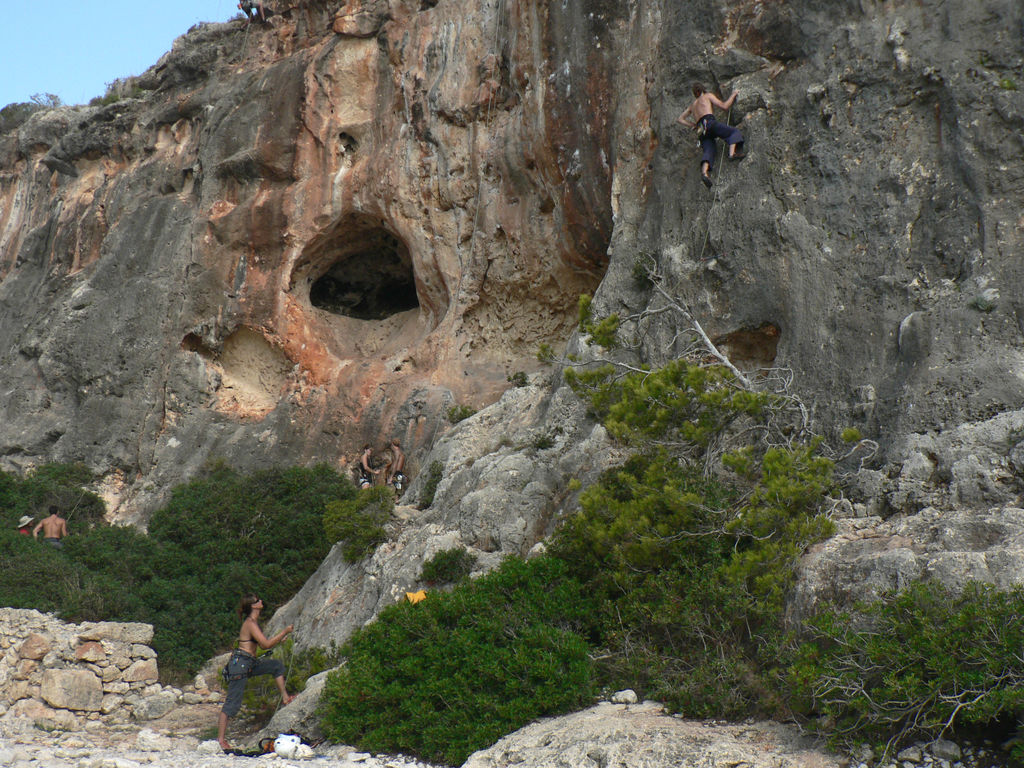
692	544
359	522
434	474
14	115
448	566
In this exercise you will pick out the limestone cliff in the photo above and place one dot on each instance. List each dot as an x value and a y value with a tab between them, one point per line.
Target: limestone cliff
868	247
288	239
303	236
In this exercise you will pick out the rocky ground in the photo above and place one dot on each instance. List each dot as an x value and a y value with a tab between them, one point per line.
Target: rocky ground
624	735
181	739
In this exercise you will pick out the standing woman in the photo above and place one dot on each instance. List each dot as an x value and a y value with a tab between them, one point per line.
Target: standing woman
244	664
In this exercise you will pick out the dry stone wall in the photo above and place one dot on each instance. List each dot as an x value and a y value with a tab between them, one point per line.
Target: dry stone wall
74	676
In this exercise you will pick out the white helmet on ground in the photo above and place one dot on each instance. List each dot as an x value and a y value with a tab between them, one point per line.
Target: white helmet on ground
286	745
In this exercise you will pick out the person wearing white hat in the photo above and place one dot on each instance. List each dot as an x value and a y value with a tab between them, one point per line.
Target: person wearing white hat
23	525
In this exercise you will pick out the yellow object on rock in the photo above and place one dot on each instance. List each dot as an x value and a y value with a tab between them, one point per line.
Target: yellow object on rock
415	597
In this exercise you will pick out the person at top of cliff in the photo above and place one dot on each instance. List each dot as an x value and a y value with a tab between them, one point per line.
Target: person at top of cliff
23	525
702	119
366	472
54	528
253	9
244	664
395	476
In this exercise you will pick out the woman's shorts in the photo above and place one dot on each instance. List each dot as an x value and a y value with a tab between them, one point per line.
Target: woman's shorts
264	665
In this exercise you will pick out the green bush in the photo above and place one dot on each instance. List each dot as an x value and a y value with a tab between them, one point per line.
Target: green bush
680	560
601	332
459	413
359	522
228	533
455	672
850	435
34	575
448	566
913	664
543	441
518	379
434	474
261	695
691	546
61	485
649	542
219	536
105	100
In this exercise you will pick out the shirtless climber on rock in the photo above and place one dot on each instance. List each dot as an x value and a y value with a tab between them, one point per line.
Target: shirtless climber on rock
701	112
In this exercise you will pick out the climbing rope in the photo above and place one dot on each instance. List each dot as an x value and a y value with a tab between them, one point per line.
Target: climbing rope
715	195
245	44
287	673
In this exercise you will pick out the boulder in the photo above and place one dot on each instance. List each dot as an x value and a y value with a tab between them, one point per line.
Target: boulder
25	668
90	651
45	718
642	736
72	689
301	715
152	707
141	671
35	647
943	749
139	651
125	632
110	702
149	740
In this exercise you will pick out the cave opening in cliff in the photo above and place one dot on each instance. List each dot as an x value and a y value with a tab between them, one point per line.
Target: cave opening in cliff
750	349
366	274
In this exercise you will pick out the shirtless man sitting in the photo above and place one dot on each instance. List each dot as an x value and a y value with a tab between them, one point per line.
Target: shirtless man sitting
702	114
54	528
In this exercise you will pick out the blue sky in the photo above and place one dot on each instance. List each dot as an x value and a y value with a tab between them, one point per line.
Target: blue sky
73	49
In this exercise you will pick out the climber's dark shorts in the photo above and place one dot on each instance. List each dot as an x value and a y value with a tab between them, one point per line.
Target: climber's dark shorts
716	130
250	9
264	665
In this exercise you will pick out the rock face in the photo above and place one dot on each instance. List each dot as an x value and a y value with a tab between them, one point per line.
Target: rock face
859	240
285	242
504	482
871	555
288	240
866	245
